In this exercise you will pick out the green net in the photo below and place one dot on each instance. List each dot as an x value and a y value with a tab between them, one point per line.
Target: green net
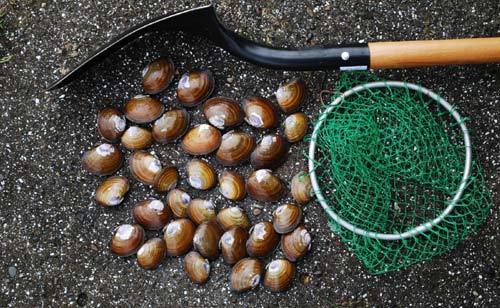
388	160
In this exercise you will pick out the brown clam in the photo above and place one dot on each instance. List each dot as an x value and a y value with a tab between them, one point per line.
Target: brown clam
286	218
235	148
103	159
245	275
295	127
195	87
143	109
263	240
166	179
152	214
270	153
200	174
259	112
152	253
172	125
232	185
301	187
196	267
111	124
137	138
200	211
201	139
263	185
279	275
206	239
178	236
157	75
144	166
233	245
112	191
178	200
233	217
292	95
296	244
223	112
127	239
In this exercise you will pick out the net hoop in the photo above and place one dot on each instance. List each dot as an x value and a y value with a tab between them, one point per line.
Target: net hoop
424	226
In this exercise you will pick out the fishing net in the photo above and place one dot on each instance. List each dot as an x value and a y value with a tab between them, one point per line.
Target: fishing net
391	163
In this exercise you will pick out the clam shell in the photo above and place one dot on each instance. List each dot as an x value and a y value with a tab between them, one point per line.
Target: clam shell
172	125
263	240
296	244
270	153
102	160
232	185
111	124
295	127
233	245
127	239
206	239
301	187
201	139
200	211
166	179
178	236
143	109
263	185
200	174
144	166
137	138
292	95
235	148
152	214
233	217
179	201
245	275
157	75
279	275
223	112
152	253
112	191
196	267
259	112
195	87
286	218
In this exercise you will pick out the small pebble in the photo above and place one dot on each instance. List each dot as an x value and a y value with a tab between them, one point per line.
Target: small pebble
94	247
12	271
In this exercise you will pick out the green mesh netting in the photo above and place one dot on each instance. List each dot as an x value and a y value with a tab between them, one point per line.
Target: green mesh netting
389	160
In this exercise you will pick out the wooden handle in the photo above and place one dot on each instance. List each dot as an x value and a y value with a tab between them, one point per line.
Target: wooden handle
438	52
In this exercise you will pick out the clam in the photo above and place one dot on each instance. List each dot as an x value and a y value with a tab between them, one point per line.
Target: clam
279	275
301	187
233	217
152	253
143	109
127	239
206	239
286	217
270	153
200	174
296	244
295	127
111	124
112	191
196	267
235	148
259	112
144	166
233	245
201	139
171	125
166	179
195	87
291	95
103	159
157	75
178	200
223	112
152	214
232	185
178	236
200	211
245	275
263	185
137	138
263	240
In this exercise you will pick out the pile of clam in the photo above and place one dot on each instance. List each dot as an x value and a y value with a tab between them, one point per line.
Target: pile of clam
194	223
